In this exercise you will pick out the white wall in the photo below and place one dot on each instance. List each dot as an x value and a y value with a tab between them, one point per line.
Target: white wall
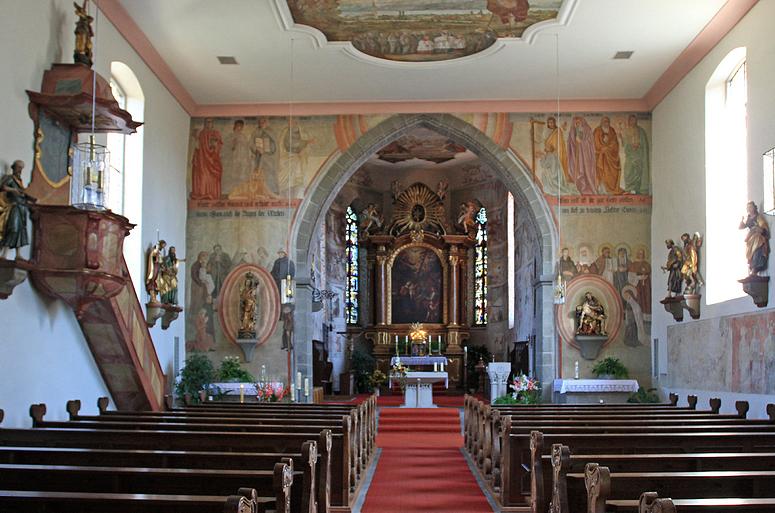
678	163
43	355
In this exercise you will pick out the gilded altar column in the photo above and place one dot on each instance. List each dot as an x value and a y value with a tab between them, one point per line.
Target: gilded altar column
381	286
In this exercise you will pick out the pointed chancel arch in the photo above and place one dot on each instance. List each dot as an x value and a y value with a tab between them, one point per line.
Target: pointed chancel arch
514	174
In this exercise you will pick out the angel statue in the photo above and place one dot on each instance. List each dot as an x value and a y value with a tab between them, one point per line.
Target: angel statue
590	316
154	277
395	189
371	219
690	270
248	306
83	34
466	217
757	241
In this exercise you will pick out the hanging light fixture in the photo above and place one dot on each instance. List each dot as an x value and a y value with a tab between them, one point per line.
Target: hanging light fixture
560	284
91	161
288	284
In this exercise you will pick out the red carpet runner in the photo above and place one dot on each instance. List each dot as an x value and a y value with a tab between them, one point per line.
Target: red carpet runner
421	468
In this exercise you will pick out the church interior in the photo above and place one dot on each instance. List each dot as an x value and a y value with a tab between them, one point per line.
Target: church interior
387	255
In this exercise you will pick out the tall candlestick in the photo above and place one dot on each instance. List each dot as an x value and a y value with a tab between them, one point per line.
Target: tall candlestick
576	370
396	345
242	392
298	381
439	344
306	387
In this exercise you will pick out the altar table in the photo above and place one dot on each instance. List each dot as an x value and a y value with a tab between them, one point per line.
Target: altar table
419	360
594	390
419	388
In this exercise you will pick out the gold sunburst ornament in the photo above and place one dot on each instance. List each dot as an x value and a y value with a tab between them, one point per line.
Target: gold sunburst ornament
417	333
418	209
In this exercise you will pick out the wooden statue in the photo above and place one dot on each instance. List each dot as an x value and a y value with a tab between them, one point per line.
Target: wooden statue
673	267
690	270
14	211
169	270
757	241
248	305
591	316
371	219
154	277
83	35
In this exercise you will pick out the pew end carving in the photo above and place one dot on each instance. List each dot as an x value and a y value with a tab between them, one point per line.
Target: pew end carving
715	404
598	482
246	501
73	406
283	479
742	408
102	404
37	412
770	412
560	467
536	472
692	400
651	503
673	399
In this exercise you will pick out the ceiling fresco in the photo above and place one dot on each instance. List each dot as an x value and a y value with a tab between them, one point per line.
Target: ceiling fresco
422	30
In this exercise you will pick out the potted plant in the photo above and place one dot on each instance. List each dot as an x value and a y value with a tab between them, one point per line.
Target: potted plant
610	368
231	371
376	380
196	375
644	396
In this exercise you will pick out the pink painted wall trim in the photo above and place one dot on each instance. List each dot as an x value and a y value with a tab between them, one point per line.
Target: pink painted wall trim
126	26
419	107
724	20
719	26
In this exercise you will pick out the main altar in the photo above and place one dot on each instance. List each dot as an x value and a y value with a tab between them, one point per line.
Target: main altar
418	274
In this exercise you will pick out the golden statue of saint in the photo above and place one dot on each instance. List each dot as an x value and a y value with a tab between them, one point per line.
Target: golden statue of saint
248	306
83	35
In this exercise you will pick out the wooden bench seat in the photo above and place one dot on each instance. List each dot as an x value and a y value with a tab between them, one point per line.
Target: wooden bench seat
16	501
274	485
600	485
650	502
304	492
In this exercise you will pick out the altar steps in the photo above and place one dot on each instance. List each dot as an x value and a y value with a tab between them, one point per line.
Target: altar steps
416	420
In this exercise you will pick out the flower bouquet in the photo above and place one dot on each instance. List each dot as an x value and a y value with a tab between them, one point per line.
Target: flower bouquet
526	390
398	373
270	392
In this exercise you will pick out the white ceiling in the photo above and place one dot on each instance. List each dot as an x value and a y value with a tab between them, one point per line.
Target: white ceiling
189	34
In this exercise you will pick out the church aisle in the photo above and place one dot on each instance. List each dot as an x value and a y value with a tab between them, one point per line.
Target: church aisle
421	468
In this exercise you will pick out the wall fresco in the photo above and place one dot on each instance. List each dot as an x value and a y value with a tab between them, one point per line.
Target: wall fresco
243	171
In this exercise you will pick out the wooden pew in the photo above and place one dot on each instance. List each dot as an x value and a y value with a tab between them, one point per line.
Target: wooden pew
132	480
14	501
650	502
304	496
334	449
519	451
562	463
602	485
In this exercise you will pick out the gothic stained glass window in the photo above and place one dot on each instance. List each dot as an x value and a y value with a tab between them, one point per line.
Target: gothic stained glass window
480	269
351	252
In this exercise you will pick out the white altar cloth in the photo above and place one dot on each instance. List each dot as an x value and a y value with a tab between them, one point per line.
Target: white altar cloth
232	389
419	360
419	388
564	386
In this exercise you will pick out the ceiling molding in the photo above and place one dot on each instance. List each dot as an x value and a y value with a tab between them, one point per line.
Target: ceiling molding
285	20
126	26
420	107
719	26
727	17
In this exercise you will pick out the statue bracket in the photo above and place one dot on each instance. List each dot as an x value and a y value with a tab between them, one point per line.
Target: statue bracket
758	287
12	274
168	313
248	347
691	303
674	306
590	345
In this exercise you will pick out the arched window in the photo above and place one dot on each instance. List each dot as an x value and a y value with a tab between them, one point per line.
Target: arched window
125	195
726	175
351	253
480	269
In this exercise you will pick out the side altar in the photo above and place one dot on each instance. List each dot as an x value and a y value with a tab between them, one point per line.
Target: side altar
418	274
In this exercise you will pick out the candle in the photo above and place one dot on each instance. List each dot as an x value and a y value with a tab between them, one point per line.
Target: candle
298	381
396	345
576	370
242	392
439	344
435	367
306	387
